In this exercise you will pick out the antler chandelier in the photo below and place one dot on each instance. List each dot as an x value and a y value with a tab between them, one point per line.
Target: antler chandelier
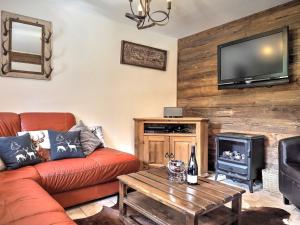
145	18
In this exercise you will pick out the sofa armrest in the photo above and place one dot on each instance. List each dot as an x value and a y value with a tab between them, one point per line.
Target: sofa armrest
289	151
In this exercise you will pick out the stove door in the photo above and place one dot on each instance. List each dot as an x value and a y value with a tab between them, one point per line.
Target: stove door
233	168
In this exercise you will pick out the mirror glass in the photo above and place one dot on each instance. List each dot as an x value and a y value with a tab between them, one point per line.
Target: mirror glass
26	38
27	67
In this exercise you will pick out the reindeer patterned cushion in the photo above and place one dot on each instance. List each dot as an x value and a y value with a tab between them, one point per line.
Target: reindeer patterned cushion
65	145
18	151
40	140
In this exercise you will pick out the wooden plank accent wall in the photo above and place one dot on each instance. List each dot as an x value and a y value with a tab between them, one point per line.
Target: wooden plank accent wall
271	111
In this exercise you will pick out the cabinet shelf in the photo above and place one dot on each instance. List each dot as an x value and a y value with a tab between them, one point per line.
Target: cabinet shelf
170	134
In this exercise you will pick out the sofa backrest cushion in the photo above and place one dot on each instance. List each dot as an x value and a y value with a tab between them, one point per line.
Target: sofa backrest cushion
9	124
47	121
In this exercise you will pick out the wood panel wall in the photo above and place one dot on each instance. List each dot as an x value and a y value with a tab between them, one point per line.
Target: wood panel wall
271	111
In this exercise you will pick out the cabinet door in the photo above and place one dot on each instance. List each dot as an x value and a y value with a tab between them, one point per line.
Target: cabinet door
155	149
181	147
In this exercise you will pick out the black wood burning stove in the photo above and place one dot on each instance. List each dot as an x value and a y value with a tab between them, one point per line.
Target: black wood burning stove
240	156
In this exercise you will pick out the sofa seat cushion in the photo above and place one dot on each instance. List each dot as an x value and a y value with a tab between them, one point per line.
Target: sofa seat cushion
23	198
27	172
114	163
48	218
293	171
67	174
70	174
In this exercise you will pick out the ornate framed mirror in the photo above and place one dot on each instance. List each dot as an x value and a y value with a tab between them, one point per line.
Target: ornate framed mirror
26	47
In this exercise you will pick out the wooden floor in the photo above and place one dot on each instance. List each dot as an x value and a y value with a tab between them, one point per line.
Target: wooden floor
259	198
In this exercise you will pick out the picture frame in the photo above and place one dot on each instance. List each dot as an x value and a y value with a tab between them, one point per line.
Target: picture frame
143	56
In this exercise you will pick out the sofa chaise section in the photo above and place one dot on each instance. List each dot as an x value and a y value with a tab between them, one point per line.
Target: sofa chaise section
24	200
28	172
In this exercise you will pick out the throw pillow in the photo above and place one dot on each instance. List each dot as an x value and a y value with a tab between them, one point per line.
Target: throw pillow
65	145
98	132
89	141
18	151
40	140
2	165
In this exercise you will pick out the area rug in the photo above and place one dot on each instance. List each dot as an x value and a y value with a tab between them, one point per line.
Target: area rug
253	216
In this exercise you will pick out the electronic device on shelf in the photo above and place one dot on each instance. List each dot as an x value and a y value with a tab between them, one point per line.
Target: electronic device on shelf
173	112
169	128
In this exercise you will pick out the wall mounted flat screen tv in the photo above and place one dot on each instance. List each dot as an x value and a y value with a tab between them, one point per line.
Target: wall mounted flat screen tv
260	60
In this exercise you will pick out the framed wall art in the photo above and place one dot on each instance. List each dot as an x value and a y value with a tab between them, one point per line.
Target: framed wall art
143	56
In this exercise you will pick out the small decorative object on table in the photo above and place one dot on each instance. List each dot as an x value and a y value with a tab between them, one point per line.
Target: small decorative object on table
177	171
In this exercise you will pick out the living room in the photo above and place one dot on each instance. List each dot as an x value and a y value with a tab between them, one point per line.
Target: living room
105	94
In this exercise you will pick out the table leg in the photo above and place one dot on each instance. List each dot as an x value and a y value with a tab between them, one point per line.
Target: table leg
191	220
237	208
251	186
122	195
216	176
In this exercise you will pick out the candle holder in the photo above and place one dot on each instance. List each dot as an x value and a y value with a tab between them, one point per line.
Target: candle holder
145	17
177	171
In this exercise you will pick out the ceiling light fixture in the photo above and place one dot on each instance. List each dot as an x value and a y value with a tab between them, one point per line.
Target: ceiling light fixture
145	18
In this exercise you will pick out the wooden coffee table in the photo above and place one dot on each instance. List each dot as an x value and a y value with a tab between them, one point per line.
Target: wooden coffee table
165	202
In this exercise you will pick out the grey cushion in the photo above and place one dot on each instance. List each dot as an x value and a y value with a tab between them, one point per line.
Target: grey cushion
97	130
89	141
2	165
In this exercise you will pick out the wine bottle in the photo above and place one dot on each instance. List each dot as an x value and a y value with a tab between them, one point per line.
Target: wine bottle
192	171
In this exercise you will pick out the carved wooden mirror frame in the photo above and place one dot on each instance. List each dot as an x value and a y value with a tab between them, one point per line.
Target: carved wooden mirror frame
8	55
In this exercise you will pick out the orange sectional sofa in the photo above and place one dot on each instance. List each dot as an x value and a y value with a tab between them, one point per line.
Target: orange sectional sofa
38	194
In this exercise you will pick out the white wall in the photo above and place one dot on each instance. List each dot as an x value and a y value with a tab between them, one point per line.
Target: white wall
88	79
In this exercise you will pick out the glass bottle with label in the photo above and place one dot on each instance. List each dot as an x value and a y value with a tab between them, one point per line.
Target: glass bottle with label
192	170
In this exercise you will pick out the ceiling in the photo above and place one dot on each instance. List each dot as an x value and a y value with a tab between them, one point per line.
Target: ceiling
188	16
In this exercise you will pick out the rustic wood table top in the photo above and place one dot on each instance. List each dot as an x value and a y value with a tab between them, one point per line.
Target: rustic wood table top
191	201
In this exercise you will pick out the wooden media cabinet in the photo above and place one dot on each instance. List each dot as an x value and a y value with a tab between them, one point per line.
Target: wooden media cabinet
157	140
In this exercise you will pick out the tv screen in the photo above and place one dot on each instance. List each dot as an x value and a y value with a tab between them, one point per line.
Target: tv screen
261	57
